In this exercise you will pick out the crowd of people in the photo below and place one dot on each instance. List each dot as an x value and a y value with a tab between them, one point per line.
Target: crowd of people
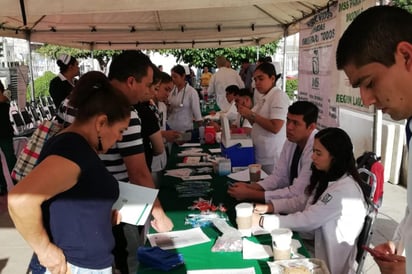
125	121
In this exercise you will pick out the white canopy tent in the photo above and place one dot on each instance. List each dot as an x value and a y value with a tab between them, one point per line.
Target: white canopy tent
157	24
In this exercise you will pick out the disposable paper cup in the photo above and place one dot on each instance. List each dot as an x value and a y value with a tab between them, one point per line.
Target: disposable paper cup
281	243
281	238
281	254
244	212
254	172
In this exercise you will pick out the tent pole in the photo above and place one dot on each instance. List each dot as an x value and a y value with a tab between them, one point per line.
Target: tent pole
257	52
377	131
377	125
30	63
285	36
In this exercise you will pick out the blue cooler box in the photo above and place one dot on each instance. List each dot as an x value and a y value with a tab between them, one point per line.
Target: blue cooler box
238	155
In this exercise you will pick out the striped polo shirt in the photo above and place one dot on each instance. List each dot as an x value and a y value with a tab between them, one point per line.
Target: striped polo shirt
131	143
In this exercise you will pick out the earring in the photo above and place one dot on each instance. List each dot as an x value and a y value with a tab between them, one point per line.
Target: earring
99	143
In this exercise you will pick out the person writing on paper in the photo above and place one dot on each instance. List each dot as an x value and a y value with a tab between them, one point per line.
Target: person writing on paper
375	53
184	106
291	175
63	207
335	211
161	93
268	117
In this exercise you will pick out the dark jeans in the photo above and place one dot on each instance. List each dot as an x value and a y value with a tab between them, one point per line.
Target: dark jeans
6	145
128	238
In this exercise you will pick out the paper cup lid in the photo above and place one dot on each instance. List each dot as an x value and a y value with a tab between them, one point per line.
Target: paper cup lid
244	209
282	237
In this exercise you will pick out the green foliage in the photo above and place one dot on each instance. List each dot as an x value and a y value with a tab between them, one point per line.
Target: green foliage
195	57
405	4
102	56
206	57
291	86
41	86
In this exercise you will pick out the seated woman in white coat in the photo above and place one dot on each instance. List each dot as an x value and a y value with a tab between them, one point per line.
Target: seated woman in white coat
334	213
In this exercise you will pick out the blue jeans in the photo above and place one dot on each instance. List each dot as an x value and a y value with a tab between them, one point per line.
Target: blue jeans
81	270
37	268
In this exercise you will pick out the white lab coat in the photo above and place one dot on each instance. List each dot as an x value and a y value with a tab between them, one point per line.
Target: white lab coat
286	198
403	234
267	145
223	78
184	106
335	222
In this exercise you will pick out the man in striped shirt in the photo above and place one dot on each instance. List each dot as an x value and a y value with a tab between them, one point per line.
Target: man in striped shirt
131	73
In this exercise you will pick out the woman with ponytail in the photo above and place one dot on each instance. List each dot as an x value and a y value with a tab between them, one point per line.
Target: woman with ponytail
336	208
63	207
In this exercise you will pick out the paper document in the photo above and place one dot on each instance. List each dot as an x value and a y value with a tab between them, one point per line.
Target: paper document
243	175
179	172
249	270
177	239
253	250
197	177
215	150
135	203
190	145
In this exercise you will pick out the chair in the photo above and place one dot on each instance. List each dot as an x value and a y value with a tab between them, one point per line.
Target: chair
17	122
366	233
27	118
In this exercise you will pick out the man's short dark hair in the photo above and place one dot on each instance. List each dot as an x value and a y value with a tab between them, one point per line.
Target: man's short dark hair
309	111
129	63
245	92
373	37
232	89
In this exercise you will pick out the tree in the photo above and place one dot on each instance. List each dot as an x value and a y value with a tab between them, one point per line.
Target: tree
405	4
41	86
194	57
206	57
291	87
102	56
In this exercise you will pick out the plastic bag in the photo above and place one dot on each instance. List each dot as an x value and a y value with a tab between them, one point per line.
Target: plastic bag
158	258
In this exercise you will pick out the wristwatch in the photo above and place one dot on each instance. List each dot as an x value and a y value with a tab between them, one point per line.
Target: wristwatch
252	116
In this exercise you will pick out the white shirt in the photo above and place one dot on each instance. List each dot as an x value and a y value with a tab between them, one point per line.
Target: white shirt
335	222
231	111
274	105
403	233
276	186
184	107
223	78
242	122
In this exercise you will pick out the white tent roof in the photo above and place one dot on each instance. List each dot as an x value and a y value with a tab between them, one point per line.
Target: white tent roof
133	24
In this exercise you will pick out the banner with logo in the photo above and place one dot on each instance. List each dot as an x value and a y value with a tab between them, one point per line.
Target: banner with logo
316	63
346	95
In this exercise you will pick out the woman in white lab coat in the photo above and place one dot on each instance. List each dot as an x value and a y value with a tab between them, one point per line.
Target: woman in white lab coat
268	117
336	208
184	106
